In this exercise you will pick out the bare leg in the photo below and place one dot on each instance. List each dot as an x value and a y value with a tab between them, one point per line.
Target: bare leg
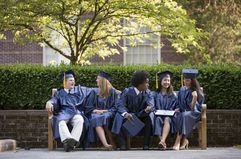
101	133
110	136
166	130
177	142
185	144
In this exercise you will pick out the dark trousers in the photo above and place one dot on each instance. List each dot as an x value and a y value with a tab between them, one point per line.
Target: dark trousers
146	132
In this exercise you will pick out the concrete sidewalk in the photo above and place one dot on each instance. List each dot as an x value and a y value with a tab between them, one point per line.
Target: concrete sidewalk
210	153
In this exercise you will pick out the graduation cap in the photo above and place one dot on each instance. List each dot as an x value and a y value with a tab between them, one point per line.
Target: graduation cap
105	75
66	75
161	75
190	73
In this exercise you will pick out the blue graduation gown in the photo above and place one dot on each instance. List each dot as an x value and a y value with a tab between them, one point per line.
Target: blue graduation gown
188	119
94	101
132	103
164	102
67	105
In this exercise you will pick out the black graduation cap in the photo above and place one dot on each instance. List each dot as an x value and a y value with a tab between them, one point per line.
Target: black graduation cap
161	75
190	73
164	74
105	75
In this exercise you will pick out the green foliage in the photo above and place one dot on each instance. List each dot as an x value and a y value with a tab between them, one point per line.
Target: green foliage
221	22
29	86
81	29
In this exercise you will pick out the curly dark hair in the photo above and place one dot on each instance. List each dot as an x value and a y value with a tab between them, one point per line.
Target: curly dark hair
139	77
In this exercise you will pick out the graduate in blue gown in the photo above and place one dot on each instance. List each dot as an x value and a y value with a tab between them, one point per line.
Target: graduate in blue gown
67	108
164	99
135	100
101	108
190	100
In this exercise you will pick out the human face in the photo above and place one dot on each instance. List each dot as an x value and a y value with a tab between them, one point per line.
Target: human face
144	86
70	82
166	82
98	81
187	82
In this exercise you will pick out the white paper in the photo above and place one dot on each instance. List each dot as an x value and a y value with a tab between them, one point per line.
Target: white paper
165	112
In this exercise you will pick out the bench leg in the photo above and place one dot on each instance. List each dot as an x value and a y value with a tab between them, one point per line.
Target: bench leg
204	134
51	143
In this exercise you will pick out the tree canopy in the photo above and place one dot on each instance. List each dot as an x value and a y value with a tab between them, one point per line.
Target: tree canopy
79	29
221	22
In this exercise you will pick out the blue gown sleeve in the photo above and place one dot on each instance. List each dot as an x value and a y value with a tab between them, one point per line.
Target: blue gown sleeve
55	101
122	101
90	102
174	103
116	96
156	103
150	99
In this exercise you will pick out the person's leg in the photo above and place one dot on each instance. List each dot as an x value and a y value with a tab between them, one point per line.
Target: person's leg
122	136
110	136
77	122
147	131
65	136
101	134
184	144
64	131
165	132
166	129
177	142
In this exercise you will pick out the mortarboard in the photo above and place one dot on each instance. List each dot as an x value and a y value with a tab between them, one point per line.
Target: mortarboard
105	75
66	75
190	73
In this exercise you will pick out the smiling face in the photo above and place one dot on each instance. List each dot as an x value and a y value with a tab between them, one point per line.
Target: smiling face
166	82
70	82
187	82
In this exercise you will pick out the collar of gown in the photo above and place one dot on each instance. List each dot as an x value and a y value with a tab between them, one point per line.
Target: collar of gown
137	91
71	90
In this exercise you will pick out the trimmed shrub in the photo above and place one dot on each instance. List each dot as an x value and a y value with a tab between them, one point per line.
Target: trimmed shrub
29	86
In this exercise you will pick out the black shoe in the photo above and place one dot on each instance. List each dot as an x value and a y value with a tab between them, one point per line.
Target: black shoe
146	147
69	144
67	148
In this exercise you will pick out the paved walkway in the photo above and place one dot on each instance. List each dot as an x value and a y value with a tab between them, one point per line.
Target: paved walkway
210	153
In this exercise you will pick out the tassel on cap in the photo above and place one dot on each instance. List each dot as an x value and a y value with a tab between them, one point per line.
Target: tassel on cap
156	81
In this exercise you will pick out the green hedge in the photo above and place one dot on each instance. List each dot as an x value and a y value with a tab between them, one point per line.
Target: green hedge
29	86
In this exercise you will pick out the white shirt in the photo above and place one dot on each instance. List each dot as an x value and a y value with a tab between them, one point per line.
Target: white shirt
137	91
71	90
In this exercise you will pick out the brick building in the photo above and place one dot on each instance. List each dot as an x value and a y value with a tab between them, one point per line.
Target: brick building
12	52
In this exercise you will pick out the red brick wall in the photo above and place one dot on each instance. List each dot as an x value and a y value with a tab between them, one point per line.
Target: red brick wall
29	127
11	52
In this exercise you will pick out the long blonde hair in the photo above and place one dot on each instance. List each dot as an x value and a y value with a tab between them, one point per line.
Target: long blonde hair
105	87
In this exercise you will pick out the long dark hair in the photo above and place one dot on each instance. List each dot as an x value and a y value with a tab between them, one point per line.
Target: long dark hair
169	89
195	86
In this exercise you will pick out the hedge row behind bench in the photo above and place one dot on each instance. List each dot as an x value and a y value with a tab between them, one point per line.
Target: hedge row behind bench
29	86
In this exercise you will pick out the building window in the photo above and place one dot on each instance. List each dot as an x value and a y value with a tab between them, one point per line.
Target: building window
143	52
